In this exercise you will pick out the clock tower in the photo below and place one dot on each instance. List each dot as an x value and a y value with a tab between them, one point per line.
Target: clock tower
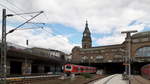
86	39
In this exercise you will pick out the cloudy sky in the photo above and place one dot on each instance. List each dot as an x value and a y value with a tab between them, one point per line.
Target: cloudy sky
65	21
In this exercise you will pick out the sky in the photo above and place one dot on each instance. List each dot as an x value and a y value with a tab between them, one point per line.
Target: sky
65	21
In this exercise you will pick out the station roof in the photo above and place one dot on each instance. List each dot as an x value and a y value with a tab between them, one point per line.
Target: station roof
20	52
141	34
103	47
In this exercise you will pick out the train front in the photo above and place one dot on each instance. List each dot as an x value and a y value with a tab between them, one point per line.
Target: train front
145	71
68	68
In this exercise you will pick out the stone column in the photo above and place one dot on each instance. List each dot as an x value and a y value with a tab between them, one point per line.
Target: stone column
8	67
26	68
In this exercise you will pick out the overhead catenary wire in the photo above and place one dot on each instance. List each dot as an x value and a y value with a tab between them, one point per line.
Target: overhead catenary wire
29	19
55	30
30	28
49	20
34	23
12	11
46	16
15	13
13	5
7	8
22	16
59	38
48	32
26	13
20	9
24	23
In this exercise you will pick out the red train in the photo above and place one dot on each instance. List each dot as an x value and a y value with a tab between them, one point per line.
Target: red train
145	71
78	69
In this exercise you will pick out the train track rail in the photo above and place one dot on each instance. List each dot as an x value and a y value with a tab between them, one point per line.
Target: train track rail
29	79
139	80
136	79
95	79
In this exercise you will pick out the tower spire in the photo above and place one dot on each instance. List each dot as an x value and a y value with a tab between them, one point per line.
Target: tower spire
86	25
86	39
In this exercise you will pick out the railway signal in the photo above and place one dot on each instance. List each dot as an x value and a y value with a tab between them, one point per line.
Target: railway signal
128	39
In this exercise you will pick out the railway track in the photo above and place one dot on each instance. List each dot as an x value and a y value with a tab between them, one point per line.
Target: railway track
29	79
139	80
95	79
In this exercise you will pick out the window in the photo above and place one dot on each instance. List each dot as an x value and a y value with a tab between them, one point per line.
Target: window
113	50
144	39
143	52
135	40
118	56
68	67
99	57
102	50
81	69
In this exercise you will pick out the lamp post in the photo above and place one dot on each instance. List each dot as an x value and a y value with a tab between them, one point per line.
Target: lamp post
128	39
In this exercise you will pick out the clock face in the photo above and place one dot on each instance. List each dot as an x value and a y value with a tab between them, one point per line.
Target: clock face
84	34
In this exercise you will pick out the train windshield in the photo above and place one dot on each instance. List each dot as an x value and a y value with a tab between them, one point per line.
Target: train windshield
68	67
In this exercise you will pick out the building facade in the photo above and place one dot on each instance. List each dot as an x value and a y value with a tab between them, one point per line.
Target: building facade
113	54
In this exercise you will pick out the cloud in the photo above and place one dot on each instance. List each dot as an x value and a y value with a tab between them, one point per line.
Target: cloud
116	37
104	16
40	38
110	40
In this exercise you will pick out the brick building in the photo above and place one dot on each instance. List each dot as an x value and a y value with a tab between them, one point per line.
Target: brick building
113	55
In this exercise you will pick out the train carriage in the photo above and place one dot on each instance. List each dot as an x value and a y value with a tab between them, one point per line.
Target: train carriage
145	71
78	69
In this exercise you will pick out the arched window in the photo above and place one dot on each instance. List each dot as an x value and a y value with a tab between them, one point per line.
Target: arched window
143	52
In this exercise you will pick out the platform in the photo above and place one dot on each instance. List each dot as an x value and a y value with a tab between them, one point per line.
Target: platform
113	79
